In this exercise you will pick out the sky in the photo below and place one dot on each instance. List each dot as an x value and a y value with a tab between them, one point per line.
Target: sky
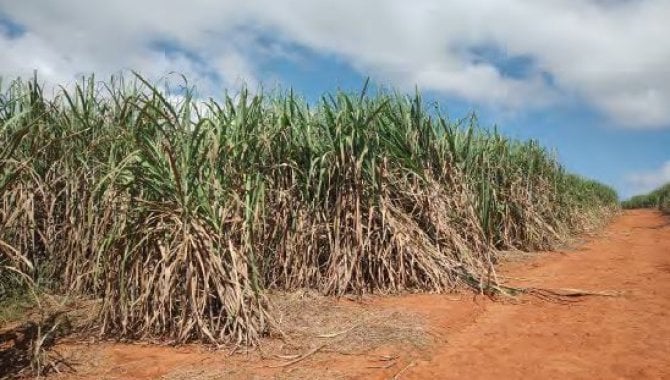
589	79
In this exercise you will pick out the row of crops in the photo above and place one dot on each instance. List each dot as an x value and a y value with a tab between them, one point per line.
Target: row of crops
178	215
658	198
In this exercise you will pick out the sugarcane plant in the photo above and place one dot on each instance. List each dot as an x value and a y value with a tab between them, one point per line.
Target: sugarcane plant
179	213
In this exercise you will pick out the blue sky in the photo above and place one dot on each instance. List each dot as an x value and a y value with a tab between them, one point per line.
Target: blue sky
588	79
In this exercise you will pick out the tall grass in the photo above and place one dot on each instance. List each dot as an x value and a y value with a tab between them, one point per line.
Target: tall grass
179	214
658	198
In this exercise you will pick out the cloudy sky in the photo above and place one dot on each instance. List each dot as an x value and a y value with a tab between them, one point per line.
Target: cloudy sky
589	78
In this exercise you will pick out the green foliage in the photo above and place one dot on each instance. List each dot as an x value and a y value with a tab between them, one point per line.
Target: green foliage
179	214
14	303
659	198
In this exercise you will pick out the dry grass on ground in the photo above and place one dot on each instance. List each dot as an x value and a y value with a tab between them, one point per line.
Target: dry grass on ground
308	324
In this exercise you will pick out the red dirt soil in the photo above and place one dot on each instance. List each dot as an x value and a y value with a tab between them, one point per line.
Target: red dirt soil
595	337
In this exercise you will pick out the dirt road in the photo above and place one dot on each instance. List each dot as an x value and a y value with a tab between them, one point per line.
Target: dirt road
598	337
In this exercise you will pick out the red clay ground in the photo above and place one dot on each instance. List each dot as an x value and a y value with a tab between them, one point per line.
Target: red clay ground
597	337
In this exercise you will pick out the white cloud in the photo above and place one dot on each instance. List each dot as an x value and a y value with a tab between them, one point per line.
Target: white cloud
75	37
646	181
614	55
